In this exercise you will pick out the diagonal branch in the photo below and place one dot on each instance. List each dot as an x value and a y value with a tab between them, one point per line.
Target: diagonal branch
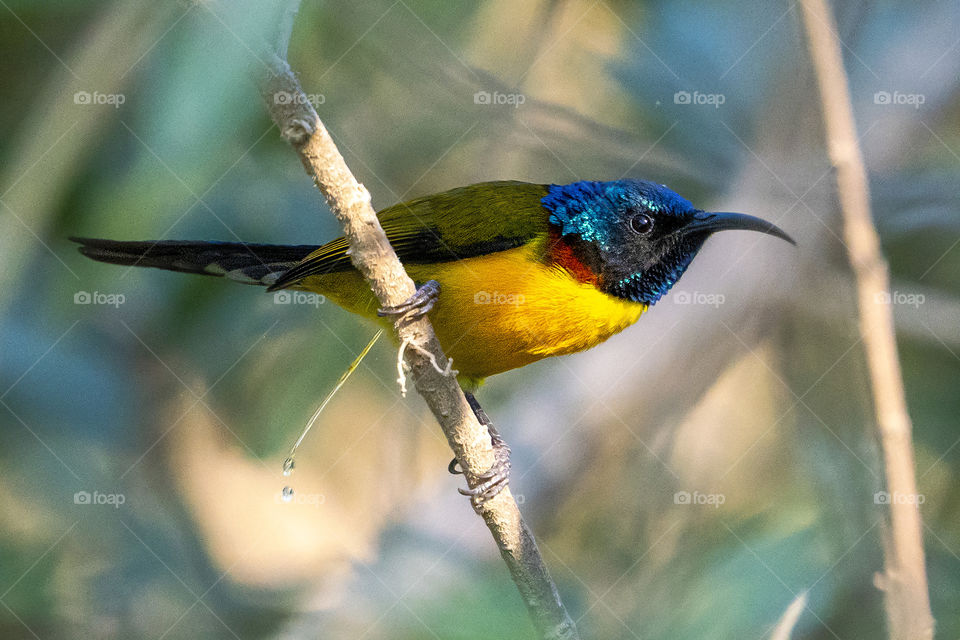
372	255
905	579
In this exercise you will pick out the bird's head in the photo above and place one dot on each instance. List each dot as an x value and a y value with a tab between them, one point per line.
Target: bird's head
636	237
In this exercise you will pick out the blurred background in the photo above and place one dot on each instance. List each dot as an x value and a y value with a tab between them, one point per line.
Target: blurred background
687	479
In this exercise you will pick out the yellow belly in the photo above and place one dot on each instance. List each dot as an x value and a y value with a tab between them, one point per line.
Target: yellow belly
500	311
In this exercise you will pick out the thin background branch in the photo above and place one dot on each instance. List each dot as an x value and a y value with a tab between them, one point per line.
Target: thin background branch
373	256
788	621
904	581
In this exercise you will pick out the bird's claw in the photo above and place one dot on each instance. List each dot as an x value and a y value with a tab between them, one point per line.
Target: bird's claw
493	480
417	305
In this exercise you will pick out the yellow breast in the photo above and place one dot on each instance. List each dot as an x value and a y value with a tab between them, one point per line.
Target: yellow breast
501	311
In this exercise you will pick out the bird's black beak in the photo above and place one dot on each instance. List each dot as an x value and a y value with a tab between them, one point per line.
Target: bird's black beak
706	222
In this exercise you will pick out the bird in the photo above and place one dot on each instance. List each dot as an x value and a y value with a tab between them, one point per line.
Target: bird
508	272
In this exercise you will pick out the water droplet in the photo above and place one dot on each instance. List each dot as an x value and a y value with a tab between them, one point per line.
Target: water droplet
287	494
288	466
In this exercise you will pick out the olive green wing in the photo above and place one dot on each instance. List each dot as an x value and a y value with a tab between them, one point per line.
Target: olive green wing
461	223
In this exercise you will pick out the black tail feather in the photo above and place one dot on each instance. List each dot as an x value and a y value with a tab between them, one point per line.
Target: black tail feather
240	261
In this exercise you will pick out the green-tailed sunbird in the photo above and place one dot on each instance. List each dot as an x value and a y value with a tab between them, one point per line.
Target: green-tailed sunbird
510	272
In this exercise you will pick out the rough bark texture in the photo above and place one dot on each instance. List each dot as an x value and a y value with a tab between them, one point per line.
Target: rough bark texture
371	253
904	580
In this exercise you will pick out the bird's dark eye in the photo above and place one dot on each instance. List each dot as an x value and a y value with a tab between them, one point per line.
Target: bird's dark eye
641	224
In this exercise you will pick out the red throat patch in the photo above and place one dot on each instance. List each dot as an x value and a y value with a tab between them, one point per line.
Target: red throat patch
561	254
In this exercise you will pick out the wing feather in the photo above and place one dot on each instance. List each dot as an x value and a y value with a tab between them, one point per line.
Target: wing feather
461	223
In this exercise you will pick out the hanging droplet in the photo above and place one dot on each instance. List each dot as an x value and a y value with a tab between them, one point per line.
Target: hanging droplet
288	463
287	494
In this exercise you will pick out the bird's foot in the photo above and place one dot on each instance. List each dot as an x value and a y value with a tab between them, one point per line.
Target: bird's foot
417	305
493	480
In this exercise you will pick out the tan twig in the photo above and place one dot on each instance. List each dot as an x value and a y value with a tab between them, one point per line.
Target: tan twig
904	580
373	256
402	366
